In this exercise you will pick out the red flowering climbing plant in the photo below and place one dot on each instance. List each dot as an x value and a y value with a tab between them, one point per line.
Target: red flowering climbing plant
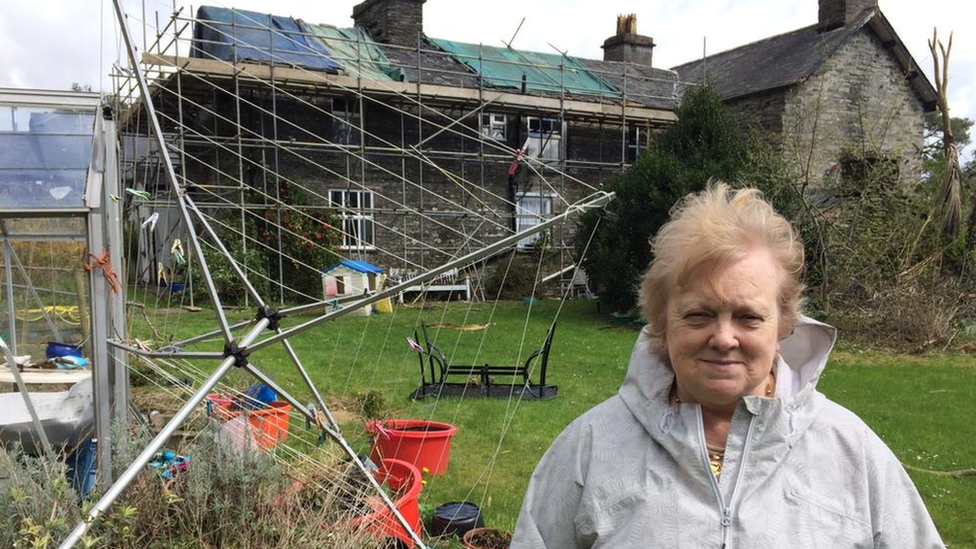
308	236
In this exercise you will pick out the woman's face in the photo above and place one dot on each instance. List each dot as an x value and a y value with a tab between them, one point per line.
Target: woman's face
722	334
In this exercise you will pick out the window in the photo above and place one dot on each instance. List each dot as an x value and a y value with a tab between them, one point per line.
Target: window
530	210
356	210
545	138
637	142
493	125
859	171
345	125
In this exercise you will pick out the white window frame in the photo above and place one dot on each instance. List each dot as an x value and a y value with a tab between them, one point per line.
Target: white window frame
526	218
638	140
494	125
545	139
356	210
345	125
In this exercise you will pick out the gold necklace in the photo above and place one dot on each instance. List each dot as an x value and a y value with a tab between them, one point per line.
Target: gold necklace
715	457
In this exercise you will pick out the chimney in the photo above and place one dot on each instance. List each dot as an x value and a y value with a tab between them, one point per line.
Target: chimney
627	45
397	22
840	13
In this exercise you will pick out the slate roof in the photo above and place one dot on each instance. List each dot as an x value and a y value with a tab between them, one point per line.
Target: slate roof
647	86
436	68
788	59
770	63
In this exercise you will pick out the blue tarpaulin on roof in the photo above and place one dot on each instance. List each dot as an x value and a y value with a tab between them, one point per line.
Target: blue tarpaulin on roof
356	265
226	34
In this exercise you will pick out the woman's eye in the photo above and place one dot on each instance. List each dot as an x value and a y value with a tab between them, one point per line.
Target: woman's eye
696	315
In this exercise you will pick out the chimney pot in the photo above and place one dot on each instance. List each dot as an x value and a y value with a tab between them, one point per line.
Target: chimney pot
397	22
628	46
839	13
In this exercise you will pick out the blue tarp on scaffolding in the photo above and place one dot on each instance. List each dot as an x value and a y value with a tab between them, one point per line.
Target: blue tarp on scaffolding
227	34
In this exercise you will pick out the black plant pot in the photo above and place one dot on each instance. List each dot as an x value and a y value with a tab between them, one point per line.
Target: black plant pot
456	517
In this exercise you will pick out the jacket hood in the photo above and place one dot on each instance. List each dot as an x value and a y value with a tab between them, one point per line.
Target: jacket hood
801	359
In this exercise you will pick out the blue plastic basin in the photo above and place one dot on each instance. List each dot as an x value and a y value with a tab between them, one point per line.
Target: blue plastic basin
61	349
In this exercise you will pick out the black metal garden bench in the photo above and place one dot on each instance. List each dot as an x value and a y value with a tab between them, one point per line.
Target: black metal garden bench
436	371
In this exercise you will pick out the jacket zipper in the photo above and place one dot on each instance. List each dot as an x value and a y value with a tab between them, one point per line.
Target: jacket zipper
726	511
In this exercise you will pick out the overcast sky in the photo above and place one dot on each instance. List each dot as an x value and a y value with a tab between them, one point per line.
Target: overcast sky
52	43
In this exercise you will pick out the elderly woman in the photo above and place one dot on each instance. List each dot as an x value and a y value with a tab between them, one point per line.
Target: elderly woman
718	436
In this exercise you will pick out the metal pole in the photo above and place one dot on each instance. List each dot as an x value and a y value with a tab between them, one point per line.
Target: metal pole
11	313
186	355
308	382
113	220
213	333
99	304
27	399
170	171
139	463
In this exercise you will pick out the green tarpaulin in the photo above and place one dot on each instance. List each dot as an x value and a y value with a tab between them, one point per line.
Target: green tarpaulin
356	52
505	67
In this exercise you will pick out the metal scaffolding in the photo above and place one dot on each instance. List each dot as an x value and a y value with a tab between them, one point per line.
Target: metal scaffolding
214	152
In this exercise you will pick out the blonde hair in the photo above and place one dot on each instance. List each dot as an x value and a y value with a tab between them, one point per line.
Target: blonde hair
712	229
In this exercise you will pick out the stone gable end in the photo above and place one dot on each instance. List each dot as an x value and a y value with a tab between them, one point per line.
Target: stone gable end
859	99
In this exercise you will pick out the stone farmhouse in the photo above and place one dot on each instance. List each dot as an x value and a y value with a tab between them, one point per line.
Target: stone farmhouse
843	90
427	148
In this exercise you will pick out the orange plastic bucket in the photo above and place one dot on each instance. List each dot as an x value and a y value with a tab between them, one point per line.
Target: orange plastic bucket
270	424
426	444
407	481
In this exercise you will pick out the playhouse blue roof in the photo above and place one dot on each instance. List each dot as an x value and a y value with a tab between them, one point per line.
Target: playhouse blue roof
356	265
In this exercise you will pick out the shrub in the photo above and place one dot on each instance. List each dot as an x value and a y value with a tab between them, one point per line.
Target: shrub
309	241
511	278
702	145
225	498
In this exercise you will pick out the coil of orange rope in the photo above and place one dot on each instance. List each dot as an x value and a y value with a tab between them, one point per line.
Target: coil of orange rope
103	262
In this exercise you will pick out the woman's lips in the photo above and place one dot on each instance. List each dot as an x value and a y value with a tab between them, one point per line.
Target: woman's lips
721	363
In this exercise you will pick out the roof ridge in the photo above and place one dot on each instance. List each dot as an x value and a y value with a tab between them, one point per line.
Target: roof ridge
753	43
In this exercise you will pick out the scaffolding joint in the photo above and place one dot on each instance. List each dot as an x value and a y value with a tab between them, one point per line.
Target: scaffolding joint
231	349
274	317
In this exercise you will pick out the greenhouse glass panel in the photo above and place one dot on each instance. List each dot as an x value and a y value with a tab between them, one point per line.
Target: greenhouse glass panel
44	156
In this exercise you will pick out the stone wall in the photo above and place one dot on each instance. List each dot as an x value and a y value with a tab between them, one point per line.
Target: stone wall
760	115
859	100
452	199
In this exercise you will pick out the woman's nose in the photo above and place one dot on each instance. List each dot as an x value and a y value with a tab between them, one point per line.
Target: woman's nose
723	337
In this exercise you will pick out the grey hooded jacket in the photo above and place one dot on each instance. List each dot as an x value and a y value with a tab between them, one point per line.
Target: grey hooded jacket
799	470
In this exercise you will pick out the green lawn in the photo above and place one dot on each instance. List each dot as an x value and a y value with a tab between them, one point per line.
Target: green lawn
921	406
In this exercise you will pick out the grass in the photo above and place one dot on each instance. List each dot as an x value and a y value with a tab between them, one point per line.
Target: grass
921	406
